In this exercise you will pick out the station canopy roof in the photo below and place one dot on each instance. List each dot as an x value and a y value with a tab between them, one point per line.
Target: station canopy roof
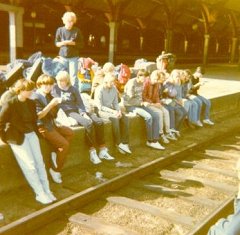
160	15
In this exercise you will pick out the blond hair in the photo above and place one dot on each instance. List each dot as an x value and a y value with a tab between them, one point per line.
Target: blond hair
108	67
64	76
155	73
69	15
175	76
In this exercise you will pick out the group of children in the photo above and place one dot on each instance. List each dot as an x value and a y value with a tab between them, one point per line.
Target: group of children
163	100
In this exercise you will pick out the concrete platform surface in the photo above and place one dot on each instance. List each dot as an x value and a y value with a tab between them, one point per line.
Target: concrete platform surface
221	79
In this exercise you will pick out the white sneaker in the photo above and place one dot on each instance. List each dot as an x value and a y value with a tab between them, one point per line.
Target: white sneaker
124	147
94	157
56	176
155	145
51	196
208	122
171	136
199	123
103	154
164	139
54	159
43	198
177	133
120	150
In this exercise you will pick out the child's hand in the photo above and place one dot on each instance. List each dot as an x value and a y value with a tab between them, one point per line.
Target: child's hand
55	101
68	43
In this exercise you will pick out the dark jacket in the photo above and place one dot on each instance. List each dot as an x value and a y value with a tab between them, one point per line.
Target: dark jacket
71	99
11	124
41	102
73	34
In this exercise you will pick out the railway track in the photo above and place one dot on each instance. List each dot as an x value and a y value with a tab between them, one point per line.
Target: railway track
185	197
181	193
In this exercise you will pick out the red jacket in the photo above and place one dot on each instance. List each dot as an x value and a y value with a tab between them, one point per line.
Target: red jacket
151	92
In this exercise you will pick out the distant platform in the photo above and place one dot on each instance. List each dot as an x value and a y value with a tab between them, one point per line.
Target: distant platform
221	79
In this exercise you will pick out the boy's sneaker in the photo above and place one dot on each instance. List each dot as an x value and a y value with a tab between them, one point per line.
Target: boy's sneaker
155	145
124	148
54	159
103	154
94	157
51	196
43	198
56	176
171	136
208	122
120	150
177	133
164	139
199	123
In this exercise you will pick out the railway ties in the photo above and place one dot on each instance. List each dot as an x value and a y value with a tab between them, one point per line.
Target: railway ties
200	183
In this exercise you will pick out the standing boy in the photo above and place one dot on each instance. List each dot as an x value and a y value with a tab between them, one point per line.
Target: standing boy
69	39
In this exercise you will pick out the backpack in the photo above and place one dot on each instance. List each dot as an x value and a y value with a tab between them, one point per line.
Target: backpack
123	75
85	78
138	63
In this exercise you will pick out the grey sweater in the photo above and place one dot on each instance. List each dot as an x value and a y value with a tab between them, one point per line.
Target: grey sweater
106	99
133	93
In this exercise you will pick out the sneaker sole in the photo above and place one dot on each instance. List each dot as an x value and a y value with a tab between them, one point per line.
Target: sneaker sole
154	147
95	163
109	159
121	151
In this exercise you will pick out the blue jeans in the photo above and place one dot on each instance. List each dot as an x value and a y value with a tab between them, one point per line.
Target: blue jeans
177	115
151	119
193	110
120	129
72	65
30	160
87	123
204	104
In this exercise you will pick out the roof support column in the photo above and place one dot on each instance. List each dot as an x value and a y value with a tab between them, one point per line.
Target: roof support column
141	42
15	29
233	49
12	36
113	26
19	33
217	47
205	49
168	40
185	46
